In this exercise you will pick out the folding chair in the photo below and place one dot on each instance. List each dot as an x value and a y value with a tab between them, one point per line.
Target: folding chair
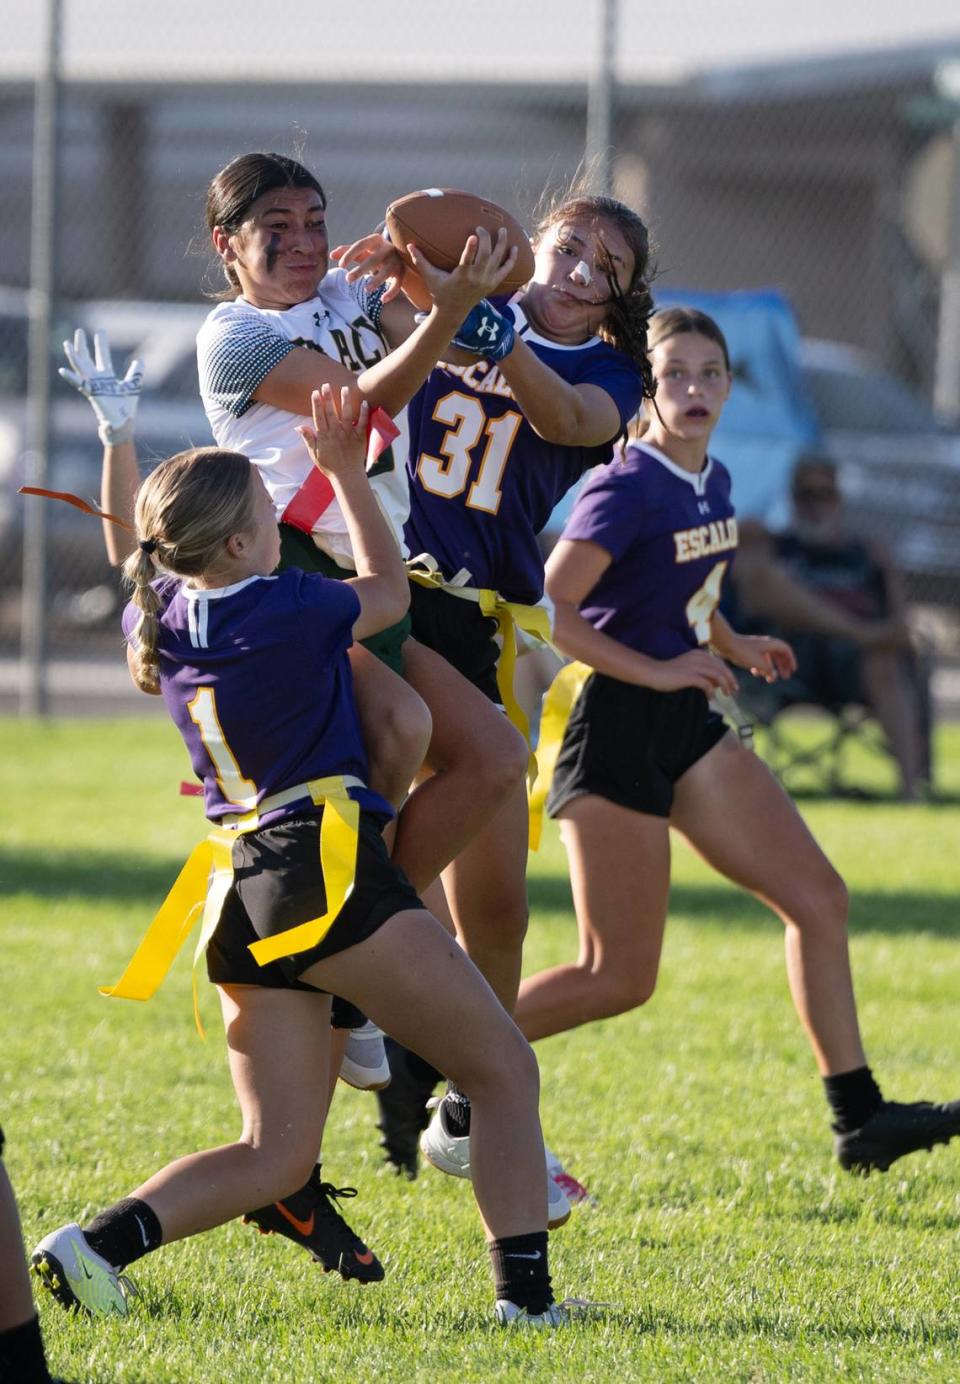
812	745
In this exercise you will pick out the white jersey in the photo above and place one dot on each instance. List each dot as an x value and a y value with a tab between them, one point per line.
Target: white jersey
237	347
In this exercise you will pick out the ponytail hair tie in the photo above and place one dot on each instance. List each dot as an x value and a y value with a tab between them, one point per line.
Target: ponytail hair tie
148	545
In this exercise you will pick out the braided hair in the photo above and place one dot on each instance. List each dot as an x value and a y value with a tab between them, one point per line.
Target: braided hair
629	310
186	510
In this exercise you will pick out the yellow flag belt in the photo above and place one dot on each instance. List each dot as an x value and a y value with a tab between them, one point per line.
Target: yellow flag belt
558	703
203	884
510	616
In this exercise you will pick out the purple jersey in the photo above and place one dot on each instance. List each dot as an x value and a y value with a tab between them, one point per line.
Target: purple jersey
257	680
672	536
482	483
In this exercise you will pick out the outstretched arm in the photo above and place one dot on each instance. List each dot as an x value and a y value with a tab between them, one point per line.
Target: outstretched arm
573	415
392	382
337	444
114	403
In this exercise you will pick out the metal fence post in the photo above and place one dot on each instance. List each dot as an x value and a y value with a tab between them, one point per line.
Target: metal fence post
43	231
601	92
946	388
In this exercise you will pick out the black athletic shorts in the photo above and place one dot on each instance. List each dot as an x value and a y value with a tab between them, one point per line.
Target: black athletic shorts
297	549
630	744
278	884
455	627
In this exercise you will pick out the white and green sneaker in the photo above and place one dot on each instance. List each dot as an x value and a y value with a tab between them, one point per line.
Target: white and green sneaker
557	1314
508	1313
78	1277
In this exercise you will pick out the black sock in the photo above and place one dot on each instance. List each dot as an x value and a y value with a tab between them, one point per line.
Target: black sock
21	1354
421	1070
456	1108
521	1272
124	1232
853	1097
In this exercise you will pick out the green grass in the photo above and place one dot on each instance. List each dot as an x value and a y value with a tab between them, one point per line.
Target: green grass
731	1245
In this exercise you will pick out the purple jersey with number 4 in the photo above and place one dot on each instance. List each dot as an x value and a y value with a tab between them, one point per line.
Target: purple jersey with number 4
257	680
672	536
482	483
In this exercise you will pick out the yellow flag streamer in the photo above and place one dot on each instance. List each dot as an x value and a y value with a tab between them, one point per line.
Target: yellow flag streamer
557	706
205	880
510	616
338	858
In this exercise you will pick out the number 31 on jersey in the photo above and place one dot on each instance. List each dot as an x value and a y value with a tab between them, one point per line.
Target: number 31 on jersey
467	424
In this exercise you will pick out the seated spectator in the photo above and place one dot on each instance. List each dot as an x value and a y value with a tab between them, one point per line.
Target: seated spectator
838	600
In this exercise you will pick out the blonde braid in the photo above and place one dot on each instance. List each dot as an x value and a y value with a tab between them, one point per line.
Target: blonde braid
139	570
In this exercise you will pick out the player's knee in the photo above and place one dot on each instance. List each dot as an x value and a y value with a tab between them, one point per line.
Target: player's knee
406	729
397	746
618	989
286	1164
833	897
495	755
508	758
514	1067
502	925
505	1067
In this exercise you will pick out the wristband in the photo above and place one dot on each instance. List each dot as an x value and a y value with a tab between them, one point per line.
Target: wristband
486	332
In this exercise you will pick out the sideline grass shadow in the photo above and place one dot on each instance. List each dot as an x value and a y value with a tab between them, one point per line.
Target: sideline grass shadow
895	913
121	876
124	877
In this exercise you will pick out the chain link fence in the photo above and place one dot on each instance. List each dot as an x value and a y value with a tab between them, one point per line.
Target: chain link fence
832	179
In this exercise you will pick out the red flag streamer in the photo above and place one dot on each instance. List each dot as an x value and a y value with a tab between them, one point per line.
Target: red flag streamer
316	493
77	503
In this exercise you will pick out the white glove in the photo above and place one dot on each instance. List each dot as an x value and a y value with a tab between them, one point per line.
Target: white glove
114	401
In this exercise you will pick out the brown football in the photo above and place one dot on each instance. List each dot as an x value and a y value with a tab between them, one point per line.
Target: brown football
439	219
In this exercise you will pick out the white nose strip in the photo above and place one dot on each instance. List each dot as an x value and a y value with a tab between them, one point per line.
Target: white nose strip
583	270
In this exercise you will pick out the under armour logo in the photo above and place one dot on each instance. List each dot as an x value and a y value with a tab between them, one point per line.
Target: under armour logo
488	328
703	506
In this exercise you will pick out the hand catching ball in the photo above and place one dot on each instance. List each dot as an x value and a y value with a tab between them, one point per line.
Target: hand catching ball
438	221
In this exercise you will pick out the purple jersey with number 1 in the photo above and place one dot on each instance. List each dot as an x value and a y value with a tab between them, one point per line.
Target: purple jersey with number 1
482	483
672	536
257	680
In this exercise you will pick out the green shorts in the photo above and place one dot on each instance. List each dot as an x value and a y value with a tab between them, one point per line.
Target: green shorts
297	549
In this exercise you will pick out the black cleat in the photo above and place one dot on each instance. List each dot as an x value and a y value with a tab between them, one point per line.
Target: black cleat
403	1108
895	1130
310	1218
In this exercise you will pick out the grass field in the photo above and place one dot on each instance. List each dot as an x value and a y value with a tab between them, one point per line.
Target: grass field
729	1243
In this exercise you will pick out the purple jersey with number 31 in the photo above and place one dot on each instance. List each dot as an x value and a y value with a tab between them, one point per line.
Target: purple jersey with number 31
672	535
257	680
482	483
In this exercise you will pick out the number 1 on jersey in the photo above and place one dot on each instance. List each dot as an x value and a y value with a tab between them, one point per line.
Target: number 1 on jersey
203	714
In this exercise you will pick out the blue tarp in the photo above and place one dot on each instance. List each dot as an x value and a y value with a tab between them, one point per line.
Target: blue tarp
768	419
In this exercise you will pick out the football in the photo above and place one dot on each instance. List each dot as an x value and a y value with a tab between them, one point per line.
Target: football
439	219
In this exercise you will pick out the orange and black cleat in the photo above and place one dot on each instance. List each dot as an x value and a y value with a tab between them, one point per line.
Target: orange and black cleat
310	1219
